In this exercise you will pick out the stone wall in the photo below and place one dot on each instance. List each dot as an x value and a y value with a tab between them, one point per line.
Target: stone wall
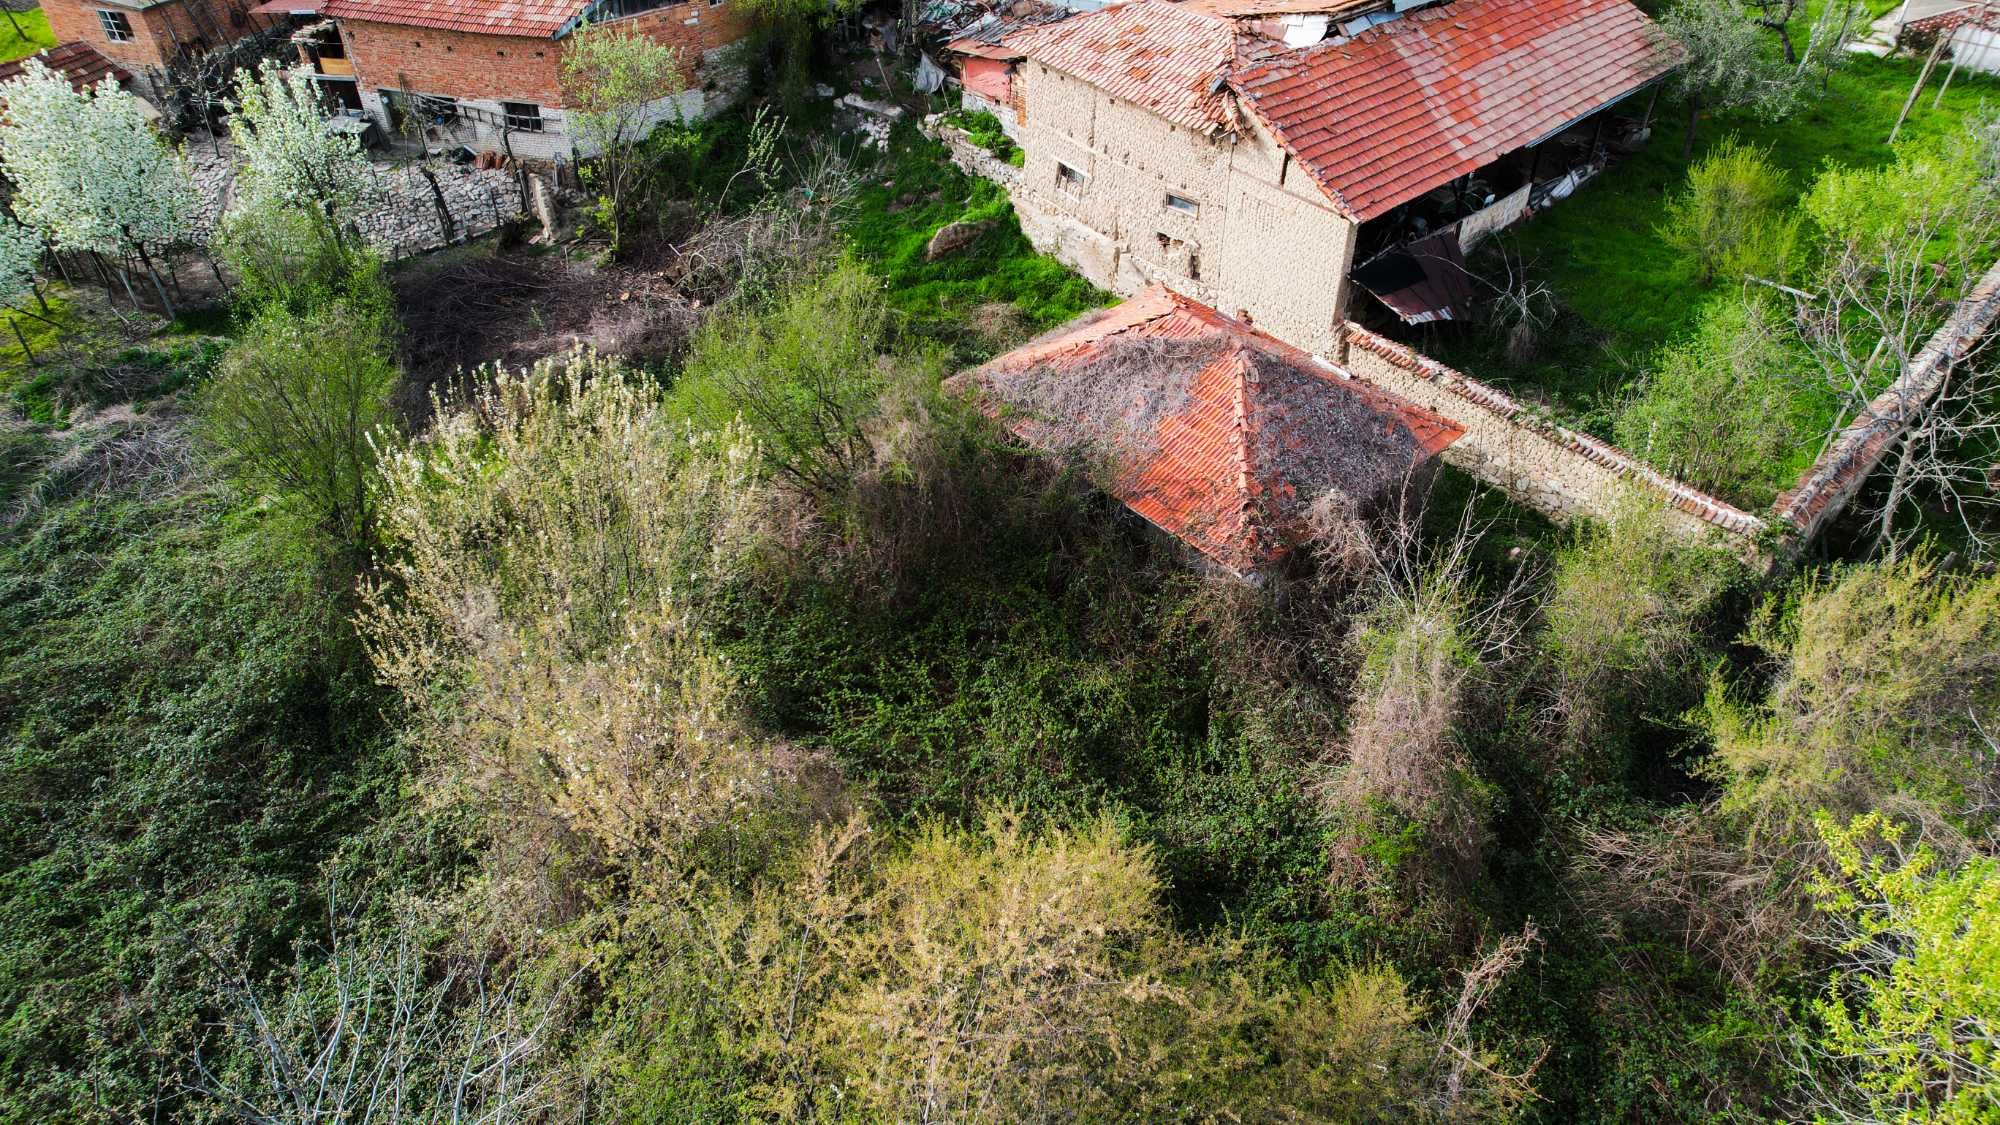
1553	469
1261	242
1827	488
972	159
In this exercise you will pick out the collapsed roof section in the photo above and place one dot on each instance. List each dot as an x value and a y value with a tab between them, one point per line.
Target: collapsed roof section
1378	101
1219	434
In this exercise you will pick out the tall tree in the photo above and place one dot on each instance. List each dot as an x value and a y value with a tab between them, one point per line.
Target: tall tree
1725	63
617	83
90	171
288	157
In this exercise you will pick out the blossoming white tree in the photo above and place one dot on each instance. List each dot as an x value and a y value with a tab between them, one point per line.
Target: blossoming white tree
90	172
288	156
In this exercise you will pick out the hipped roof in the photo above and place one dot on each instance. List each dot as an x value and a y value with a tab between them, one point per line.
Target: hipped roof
1219	434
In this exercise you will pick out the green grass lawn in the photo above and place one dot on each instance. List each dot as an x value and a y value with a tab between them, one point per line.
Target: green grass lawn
33	34
1622	286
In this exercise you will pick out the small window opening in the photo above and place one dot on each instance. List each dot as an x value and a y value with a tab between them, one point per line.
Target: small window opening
1182	204
1069	179
1284	166
525	117
117	27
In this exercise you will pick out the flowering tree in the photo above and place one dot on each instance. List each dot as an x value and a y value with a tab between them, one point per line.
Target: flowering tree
288	156
90	171
20	250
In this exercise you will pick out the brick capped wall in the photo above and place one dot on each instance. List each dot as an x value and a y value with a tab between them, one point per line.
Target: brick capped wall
158	33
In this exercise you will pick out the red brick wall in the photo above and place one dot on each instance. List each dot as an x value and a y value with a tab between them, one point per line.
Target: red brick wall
507	68
455	64
158	33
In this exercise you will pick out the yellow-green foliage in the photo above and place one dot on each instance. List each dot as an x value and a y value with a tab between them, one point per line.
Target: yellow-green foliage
1730	222
994	975
1912	1022
1887	682
1621	618
552	540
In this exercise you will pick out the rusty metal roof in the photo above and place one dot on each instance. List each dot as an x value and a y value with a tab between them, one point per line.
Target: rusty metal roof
1417	102
535	19
1160	56
1219	434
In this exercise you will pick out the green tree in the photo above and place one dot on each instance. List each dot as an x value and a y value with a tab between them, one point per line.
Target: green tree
1910	1026
1725	63
300	406
1725	409
1730	221
618	84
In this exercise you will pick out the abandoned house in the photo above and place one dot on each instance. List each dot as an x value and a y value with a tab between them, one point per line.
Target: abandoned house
147	37
1218	434
1971	36
486	74
1268	156
1248	166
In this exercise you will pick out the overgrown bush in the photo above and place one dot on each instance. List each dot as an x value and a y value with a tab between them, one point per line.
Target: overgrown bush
1885	680
1623	633
1728	409
1729	223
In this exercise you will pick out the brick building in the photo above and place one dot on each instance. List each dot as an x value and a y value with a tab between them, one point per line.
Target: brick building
147	36
487	73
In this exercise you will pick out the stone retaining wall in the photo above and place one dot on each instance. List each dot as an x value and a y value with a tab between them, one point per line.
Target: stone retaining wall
1548	467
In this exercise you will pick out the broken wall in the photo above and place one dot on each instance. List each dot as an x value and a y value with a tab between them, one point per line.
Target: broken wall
1261	239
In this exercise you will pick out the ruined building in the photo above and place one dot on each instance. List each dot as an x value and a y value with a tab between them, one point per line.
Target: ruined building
147	37
1270	163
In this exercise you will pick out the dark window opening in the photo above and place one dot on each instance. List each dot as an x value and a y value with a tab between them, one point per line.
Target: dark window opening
1183	204
525	117
1069	179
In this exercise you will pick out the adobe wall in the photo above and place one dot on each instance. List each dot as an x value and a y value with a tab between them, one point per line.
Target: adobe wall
1263	240
1555	470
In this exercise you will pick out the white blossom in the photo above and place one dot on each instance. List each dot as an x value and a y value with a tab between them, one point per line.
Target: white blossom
90	171
289	159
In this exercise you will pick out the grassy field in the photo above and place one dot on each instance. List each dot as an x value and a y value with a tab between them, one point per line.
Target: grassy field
24	33
1621	285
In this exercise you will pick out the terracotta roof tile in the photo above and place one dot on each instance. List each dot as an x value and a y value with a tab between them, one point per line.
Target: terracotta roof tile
535	19
79	62
1158	55
1981	15
1415	103
1219	434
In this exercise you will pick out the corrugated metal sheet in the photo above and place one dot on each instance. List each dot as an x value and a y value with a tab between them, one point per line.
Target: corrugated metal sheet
1416	103
535	19
1223	444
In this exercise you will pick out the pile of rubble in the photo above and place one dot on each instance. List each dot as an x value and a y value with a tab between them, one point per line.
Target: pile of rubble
871	120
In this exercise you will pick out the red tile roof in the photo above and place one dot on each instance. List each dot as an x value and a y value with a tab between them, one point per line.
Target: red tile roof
1982	15
79	62
1155	54
1415	103
1219	434
535	19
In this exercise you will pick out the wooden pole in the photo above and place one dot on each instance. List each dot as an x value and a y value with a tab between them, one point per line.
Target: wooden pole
19	335
1923	76
1948	76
